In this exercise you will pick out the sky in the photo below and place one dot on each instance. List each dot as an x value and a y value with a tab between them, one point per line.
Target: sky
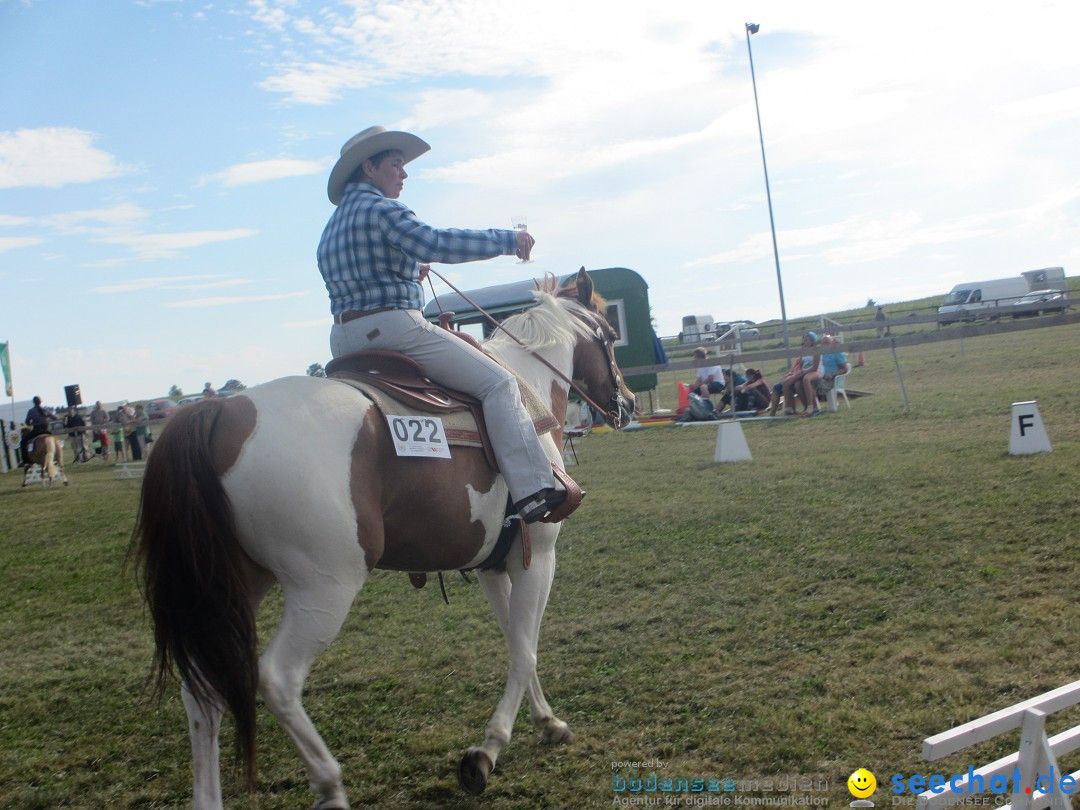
163	165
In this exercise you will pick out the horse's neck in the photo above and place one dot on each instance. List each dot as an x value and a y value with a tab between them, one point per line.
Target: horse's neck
535	372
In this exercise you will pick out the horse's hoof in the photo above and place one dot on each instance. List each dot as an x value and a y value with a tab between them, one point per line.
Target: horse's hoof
557	733
473	771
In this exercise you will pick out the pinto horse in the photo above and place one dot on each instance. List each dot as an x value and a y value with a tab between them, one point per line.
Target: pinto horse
297	481
49	455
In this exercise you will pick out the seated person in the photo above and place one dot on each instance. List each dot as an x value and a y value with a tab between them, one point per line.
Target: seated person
732	379
791	385
753	394
833	365
710	379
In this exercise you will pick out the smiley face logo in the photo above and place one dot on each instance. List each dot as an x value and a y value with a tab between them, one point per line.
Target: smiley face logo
861	783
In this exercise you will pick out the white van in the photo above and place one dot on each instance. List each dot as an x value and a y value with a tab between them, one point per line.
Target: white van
974	299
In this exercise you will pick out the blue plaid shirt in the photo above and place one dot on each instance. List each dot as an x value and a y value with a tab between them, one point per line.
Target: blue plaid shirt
371	249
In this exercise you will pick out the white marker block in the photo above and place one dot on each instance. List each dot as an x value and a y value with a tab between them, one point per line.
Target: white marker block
1028	434
731	443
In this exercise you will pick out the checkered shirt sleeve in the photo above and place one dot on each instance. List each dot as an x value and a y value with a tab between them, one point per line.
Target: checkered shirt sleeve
372	247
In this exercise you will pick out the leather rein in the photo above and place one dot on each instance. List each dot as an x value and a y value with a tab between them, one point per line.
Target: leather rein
615	409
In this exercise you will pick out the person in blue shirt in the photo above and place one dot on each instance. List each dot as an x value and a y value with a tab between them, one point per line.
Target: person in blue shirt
373	256
823	378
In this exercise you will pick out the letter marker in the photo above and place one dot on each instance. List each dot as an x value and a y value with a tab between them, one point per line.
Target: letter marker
1028	434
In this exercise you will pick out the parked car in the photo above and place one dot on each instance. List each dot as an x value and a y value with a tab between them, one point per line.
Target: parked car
1047	301
189	400
159	408
746	328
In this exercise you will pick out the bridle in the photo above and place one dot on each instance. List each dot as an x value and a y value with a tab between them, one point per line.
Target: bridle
616	413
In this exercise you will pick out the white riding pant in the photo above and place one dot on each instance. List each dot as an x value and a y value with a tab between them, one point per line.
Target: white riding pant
448	360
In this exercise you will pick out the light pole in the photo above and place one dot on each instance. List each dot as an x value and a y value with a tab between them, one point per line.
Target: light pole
753	28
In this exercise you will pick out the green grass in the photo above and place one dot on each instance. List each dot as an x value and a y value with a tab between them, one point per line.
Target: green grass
871	578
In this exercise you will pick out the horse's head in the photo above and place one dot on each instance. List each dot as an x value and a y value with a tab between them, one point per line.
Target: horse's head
594	355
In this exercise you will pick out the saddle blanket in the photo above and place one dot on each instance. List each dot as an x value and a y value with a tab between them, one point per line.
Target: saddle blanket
460	426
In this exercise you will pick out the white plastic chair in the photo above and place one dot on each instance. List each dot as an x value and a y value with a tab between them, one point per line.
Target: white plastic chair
838	388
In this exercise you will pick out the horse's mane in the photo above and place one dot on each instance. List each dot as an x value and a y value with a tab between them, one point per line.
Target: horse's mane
553	321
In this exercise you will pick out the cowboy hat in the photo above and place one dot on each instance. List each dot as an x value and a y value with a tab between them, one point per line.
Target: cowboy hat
364	145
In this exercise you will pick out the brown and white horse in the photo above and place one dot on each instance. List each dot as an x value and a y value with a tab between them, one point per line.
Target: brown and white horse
49	455
297	481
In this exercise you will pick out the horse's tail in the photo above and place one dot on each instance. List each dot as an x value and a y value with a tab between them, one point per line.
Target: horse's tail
192	574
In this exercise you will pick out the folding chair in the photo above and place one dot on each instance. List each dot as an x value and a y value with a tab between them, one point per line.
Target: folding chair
838	388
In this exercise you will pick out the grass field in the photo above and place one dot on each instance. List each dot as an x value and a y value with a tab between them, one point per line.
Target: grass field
871	578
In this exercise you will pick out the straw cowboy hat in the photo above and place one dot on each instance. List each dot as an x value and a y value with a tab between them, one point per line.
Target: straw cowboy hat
364	145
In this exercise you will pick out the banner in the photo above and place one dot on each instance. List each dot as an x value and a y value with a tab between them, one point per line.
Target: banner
5	361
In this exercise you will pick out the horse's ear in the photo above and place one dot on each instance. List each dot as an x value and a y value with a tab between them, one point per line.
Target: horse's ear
584	288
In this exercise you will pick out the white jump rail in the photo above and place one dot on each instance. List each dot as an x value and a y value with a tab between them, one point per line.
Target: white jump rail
130	469
1036	757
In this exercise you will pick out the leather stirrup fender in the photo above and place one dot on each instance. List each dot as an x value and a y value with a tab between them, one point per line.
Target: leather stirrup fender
574	496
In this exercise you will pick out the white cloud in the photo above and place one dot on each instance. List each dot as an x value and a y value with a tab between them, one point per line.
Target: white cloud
52	157
263	170
137	284
99	220
857	239
169	245
242	299
15	242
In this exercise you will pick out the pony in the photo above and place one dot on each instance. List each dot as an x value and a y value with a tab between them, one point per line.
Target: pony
48	453
297	481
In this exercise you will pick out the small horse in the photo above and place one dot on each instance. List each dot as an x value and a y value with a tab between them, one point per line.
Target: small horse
49	455
297	481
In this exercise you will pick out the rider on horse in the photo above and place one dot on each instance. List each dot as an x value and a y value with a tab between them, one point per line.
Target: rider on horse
370	257
37	424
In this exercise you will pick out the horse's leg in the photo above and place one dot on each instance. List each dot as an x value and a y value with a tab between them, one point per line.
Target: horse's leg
496	587
60	462
523	608
204	725
313	616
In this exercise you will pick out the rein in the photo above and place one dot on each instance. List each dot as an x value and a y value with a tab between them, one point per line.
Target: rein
614	410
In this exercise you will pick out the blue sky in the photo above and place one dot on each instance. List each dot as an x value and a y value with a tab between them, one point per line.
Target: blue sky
163	165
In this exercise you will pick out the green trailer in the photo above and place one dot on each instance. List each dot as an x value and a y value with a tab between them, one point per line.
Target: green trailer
627	297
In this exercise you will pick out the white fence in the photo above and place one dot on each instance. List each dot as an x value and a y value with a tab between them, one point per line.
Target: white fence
1031	775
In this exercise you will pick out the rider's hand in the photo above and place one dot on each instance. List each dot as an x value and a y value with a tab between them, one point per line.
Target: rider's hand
524	245
424	270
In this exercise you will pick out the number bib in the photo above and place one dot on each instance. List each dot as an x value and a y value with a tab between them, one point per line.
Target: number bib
419	436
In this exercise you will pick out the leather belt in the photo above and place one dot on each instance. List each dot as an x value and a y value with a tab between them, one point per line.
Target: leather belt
353	314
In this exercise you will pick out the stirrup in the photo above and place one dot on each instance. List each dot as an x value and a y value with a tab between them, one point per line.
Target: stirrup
542	504
553	505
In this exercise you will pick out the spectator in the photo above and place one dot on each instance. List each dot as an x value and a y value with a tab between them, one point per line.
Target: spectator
732	380
73	422
208	391
99	419
126	417
753	394
710	379
790	386
833	365
882	331
142	429
118	437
